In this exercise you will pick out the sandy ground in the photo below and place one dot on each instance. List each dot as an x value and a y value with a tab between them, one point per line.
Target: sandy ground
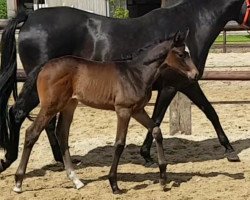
197	168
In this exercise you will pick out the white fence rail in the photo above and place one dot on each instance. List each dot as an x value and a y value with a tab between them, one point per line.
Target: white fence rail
95	6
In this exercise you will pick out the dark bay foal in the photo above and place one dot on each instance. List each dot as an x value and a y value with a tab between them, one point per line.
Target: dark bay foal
124	87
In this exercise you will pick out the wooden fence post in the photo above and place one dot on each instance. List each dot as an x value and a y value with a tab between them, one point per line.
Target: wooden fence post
180	115
224	41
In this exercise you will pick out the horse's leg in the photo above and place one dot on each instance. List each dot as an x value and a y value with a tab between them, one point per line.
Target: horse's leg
26	102
62	133
31	136
123	117
143	118
164	98
195	94
50	130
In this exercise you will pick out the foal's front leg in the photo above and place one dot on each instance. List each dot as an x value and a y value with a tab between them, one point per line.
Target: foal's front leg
164	98
143	118
123	118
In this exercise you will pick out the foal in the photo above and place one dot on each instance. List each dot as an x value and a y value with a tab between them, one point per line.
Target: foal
124	87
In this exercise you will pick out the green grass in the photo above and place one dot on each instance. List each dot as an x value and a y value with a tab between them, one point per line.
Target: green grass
233	39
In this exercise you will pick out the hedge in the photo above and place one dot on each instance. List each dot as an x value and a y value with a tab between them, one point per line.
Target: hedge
3	9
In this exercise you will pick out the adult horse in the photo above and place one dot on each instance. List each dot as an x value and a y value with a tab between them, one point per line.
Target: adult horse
53	32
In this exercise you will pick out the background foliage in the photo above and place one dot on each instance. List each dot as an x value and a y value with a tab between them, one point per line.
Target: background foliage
3	9
118	9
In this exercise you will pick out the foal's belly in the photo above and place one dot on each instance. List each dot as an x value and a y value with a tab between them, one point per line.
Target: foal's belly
97	97
98	105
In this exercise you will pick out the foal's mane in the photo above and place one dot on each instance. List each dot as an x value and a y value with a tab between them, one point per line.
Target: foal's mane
138	52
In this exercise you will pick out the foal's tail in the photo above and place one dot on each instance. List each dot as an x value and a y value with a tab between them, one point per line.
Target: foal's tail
8	82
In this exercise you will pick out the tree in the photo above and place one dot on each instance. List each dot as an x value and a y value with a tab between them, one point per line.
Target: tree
3	9
118	9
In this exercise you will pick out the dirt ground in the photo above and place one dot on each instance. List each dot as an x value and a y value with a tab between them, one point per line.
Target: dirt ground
197	167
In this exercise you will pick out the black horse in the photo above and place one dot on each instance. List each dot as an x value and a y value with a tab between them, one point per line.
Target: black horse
54	32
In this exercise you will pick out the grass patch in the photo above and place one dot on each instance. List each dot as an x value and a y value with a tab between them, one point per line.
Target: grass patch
233	39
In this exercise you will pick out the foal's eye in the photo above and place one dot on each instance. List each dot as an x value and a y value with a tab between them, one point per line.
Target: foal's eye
181	55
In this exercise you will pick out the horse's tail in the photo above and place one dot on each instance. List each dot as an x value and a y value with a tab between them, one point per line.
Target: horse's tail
8	82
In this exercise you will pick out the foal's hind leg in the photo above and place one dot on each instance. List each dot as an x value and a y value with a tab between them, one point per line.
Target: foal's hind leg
195	94
143	118
123	118
50	130
31	136
62	133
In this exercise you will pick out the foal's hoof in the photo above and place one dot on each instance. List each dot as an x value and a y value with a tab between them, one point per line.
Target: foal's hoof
118	191
150	163
232	156
1	166
17	189
76	161
169	186
79	184
163	182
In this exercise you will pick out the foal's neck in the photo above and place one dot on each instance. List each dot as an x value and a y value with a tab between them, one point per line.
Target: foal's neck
147	74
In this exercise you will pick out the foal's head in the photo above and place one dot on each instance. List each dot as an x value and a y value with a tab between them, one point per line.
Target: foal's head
171	54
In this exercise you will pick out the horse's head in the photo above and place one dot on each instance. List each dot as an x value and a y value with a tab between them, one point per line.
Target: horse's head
179	60
171	54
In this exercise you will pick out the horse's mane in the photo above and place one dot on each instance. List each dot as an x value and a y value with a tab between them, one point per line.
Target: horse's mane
173	3
172	6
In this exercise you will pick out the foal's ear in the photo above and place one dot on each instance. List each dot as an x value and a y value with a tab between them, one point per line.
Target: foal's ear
180	38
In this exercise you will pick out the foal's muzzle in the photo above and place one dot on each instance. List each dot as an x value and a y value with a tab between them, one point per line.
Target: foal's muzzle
193	75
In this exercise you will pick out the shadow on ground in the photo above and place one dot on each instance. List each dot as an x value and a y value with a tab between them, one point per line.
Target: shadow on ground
177	150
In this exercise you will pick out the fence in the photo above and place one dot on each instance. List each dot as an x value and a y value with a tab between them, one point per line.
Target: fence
96	6
229	28
180	109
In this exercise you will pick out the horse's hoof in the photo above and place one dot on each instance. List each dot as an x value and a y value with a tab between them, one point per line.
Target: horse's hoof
232	157
162	182
151	164
169	186
117	191
76	161
17	189
79	184
1	167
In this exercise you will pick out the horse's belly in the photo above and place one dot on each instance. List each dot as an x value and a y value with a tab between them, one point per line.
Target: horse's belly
98	106
95	100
